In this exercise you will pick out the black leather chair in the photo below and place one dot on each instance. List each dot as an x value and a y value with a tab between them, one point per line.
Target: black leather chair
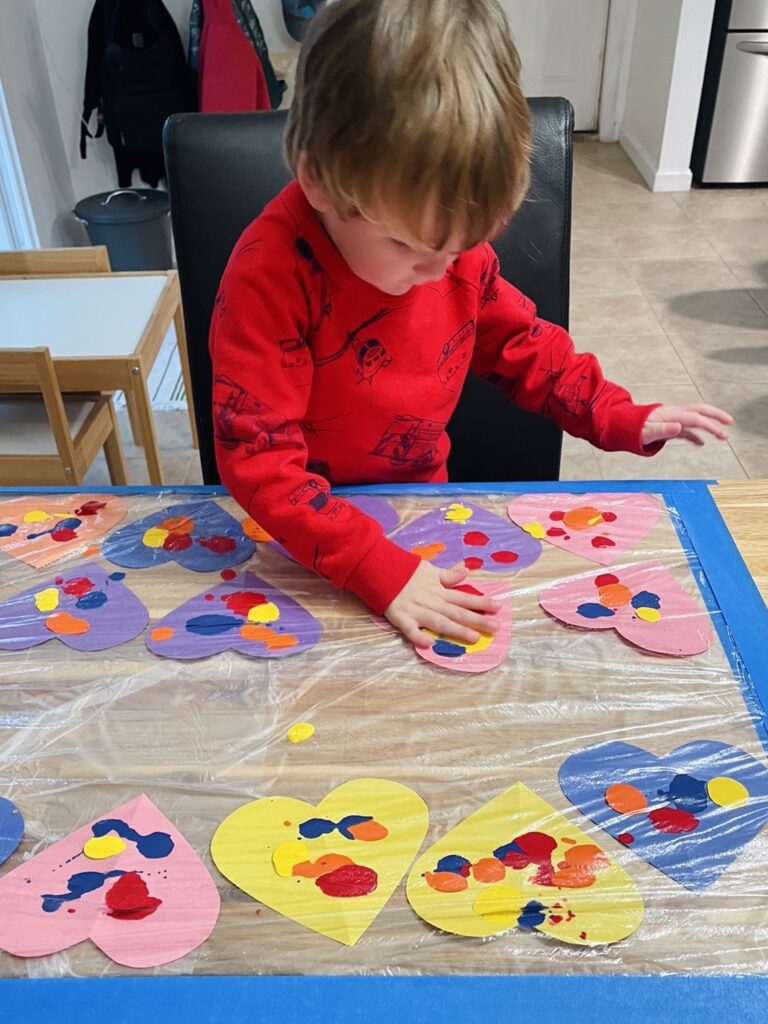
224	168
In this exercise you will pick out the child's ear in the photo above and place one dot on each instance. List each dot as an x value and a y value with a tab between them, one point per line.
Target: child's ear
312	189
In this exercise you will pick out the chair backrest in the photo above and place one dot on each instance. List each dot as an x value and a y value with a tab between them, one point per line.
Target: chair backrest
26	370
224	168
84	259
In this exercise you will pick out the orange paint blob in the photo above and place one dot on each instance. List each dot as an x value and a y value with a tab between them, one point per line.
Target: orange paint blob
625	799
615	595
254	631
368	831
445	881
580	867
279	641
252	529
315	869
66	624
488	869
94	549
582	518
428	551
178	524
162	633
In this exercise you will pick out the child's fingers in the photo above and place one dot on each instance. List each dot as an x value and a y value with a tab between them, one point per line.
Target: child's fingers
688	435
450	577
447	626
701	422
713	412
476	602
665	430
470	619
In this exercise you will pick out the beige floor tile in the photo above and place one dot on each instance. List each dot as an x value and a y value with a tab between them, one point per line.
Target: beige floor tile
747	401
194	472
710	311
760	295
638	360
596	278
753	455
738	241
661	241
752	275
592	210
702	205
733	357
579	460
626	315
670	278
678	460
591	244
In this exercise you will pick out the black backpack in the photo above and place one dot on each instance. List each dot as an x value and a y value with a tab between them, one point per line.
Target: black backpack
136	77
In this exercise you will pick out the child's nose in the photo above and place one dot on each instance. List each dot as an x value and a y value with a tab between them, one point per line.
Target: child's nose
432	264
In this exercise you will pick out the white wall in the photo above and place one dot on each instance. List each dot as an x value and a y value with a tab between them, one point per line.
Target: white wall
668	56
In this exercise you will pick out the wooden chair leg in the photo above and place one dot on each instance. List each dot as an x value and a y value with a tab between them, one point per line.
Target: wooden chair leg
113	452
181	344
133	417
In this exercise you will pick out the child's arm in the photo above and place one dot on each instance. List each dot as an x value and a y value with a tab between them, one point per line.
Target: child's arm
262	382
534	364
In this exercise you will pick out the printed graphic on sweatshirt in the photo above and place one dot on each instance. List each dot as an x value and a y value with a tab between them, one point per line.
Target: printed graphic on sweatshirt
296	361
570	394
455	355
242	419
489	284
410	441
370	355
324	308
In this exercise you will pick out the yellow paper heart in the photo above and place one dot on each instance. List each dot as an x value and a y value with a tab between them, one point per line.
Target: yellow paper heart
518	862
372	830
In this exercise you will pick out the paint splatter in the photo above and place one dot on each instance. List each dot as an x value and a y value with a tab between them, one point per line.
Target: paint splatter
673	820
352	826
347	881
300	732
153	845
77	885
7	529
727	792
591	610
625	799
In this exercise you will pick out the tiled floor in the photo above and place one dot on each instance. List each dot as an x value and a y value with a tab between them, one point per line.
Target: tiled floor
670	290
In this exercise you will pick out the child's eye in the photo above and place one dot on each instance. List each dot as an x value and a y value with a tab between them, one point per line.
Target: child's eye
400	245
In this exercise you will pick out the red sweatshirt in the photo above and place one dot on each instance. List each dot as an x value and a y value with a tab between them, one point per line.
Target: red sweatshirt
321	378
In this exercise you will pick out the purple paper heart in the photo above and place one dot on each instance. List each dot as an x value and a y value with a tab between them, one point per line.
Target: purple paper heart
244	614
84	608
689	813
465	532
199	535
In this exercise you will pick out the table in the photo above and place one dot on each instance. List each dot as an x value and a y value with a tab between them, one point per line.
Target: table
104	332
210	735
743	505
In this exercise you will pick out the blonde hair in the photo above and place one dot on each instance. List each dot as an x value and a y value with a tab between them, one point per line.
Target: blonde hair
412	110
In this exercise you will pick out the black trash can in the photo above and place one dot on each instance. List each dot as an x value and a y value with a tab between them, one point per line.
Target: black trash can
133	223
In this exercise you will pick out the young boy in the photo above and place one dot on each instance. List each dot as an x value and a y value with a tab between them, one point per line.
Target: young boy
353	307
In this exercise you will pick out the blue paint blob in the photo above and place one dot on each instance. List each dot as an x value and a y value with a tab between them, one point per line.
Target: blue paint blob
152	845
501	851
645	599
211	625
532	915
116	576
592	610
315	827
95	599
448	649
77	885
352	819
455	864
63	524
688	793
7	529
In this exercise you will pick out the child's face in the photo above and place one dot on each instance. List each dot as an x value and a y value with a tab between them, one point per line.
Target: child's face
383	257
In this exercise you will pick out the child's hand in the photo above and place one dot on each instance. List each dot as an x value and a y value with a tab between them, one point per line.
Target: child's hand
427	601
668	421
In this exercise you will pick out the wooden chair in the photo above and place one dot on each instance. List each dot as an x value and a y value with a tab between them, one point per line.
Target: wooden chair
41	262
47	438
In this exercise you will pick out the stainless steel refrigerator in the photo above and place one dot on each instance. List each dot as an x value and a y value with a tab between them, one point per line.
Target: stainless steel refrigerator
731	143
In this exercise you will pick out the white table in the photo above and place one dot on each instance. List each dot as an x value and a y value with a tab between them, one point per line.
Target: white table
104	332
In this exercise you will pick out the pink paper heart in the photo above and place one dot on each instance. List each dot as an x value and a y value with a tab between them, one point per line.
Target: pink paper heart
145	904
40	529
601	527
461	657
644	603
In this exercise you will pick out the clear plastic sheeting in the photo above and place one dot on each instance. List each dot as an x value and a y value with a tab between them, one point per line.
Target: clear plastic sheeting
81	733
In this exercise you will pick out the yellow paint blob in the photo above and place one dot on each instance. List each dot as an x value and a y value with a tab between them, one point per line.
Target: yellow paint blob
535	530
266	612
287	855
101	847
648	614
36	516
300	732
479	645
727	792
500	905
47	600
154	537
457	513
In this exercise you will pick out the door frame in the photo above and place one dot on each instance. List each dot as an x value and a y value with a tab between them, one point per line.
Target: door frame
16	214
622	15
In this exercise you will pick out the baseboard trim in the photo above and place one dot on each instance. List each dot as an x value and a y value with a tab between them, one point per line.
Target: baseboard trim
656	180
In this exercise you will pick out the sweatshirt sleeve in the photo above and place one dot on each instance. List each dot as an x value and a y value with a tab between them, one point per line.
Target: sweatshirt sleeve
534	363
262	369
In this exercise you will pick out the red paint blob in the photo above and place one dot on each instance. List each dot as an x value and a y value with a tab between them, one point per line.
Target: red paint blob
209	597
78	586
349	880
228	574
177	542
129	898
241	602
218	544
466	588
557	516
672	819
555	531
603	542
538	845
473	563
90	508
606	579
555	919
71	910
626	837
505	557
609	517
582	935
476	539
58	581
63	533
